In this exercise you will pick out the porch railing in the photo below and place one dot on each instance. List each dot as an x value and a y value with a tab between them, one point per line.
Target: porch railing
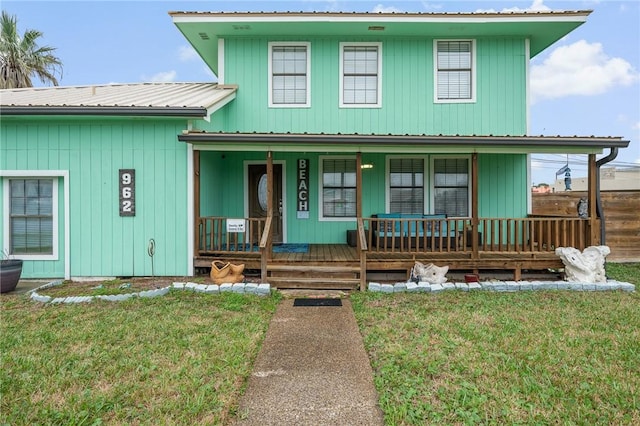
214	238
520	235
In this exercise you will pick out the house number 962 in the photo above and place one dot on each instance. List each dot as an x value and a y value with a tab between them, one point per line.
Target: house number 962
127	188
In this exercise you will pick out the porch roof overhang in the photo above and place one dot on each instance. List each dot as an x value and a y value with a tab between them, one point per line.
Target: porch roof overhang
304	142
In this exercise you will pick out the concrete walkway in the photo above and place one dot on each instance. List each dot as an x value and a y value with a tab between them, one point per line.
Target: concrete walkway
312	370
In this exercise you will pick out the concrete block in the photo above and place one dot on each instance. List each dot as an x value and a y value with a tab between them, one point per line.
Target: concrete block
179	286
375	287
399	287
526	285
589	287
237	288
575	286
154	293
435	288
263	289
603	287
412	287
38	298
225	287
549	285
564	285
474	286
499	286
386	288
250	288
190	286
628	287
512	286
424	287
461	286
449	286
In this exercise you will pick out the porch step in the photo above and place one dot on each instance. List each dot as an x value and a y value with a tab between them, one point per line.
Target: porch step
313	276
315	283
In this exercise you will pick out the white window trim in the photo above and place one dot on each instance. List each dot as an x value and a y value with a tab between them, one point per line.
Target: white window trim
321	217
432	179
273	44
474	67
55	175
387	183
341	76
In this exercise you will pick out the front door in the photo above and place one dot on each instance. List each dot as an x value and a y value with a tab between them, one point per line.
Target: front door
257	181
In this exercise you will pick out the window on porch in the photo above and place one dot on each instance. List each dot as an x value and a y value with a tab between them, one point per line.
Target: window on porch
406	185
338	188
451	186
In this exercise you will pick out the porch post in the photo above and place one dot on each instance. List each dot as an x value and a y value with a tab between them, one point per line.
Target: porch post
196	202
358	191
269	198
592	235
474	207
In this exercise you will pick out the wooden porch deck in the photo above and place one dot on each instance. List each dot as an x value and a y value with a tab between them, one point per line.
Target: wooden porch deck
338	266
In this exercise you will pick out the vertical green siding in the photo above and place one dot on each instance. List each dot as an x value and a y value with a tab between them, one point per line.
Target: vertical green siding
502	185
407	91
101	242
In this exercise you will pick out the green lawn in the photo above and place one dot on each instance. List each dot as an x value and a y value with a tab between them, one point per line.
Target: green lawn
179	359
495	358
505	358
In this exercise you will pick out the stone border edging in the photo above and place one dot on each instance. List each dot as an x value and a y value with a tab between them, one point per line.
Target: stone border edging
499	286
241	288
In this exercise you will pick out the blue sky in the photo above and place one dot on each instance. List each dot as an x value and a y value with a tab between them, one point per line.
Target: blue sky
586	84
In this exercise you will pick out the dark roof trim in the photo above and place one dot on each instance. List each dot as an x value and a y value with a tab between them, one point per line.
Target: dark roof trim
137	111
287	138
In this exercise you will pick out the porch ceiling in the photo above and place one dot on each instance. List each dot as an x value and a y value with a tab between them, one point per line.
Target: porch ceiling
400	143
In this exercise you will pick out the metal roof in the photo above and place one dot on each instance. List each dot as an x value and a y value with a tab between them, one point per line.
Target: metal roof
157	99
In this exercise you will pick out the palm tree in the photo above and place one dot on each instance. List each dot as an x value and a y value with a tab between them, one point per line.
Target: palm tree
21	57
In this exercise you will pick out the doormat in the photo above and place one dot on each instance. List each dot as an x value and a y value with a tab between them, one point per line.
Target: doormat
317	302
291	248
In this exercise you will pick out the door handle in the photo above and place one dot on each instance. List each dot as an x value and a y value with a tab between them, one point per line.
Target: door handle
280	207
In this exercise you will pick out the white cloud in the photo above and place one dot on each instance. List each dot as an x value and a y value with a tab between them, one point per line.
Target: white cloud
187	53
379	8
580	68
431	6
162	77
536	6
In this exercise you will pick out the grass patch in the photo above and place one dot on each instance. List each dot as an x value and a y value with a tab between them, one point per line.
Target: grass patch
180	359
504	358
625	272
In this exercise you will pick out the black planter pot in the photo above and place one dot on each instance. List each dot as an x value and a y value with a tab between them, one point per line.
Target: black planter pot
10	271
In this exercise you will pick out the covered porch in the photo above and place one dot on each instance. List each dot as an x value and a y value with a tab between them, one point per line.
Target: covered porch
381	244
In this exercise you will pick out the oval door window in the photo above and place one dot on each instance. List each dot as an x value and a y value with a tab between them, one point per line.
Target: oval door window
262	192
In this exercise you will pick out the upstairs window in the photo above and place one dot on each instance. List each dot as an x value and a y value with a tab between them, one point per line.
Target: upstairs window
406	185
338	188
360	74
31	216
455	73
451	186
289	71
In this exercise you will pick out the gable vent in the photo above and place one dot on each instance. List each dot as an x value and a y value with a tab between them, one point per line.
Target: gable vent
204	36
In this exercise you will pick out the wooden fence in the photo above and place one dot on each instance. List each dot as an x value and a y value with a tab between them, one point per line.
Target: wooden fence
621	213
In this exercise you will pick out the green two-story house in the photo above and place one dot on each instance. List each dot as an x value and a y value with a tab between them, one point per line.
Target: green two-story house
332	145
